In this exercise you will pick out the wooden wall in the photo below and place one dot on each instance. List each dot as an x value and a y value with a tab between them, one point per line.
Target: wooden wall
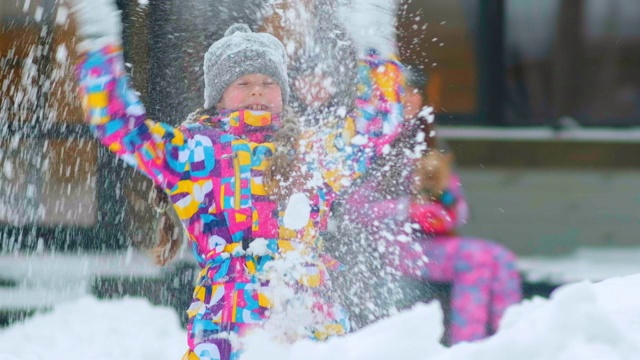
47	178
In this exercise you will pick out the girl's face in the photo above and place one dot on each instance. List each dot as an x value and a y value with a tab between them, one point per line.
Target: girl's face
252	92
433	171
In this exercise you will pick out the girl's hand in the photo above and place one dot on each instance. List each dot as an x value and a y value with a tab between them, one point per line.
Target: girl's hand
99	23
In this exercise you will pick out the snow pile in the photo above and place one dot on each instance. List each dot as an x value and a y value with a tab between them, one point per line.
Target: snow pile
580	321
89	329
416	332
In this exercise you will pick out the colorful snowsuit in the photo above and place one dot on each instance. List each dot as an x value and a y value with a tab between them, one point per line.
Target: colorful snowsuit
212	171
483	273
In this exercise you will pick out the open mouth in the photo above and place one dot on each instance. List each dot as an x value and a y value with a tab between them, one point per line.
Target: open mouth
257	107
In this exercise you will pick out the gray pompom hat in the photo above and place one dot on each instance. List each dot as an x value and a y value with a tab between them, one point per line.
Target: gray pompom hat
241	52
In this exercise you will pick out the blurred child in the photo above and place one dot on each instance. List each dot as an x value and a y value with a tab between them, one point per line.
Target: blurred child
483	274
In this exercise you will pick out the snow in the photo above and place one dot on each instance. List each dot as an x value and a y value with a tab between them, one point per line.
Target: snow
259	247
586	263
359	140
372	24
38	14
580	321
48	279
62	54
7	169
100	330
405	333
62	16
298	212
427	113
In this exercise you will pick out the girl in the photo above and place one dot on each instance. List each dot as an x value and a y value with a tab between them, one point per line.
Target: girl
251	190
483	273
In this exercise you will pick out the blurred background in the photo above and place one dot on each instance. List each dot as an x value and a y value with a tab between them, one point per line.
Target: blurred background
538	99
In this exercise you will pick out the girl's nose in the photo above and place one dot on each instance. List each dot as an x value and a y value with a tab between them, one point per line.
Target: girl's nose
257	90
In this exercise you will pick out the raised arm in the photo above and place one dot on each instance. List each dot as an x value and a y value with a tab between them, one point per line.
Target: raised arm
113	109
349	147
378	116
363	113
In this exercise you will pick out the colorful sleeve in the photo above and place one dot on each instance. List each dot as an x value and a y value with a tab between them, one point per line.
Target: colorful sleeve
118	119
379	110
446	214
350	146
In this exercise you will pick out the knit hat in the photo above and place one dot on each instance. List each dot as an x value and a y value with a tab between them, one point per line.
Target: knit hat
241	52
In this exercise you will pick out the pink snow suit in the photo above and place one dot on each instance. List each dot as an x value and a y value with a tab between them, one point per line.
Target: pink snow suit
483	273
212	171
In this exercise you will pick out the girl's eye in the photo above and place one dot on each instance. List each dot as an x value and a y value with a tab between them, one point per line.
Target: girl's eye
269	83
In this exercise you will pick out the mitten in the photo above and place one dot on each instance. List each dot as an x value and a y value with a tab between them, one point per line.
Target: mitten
432	218
99	23
372	25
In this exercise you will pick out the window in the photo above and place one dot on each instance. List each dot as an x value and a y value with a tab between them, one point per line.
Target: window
438	36
572	62
526	62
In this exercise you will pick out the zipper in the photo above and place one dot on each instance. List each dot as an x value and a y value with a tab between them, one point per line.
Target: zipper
238	187
238	193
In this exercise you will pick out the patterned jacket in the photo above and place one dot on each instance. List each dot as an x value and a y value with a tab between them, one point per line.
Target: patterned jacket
212	171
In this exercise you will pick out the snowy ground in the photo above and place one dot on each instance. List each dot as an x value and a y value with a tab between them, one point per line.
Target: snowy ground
588	263
580	321
45	280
